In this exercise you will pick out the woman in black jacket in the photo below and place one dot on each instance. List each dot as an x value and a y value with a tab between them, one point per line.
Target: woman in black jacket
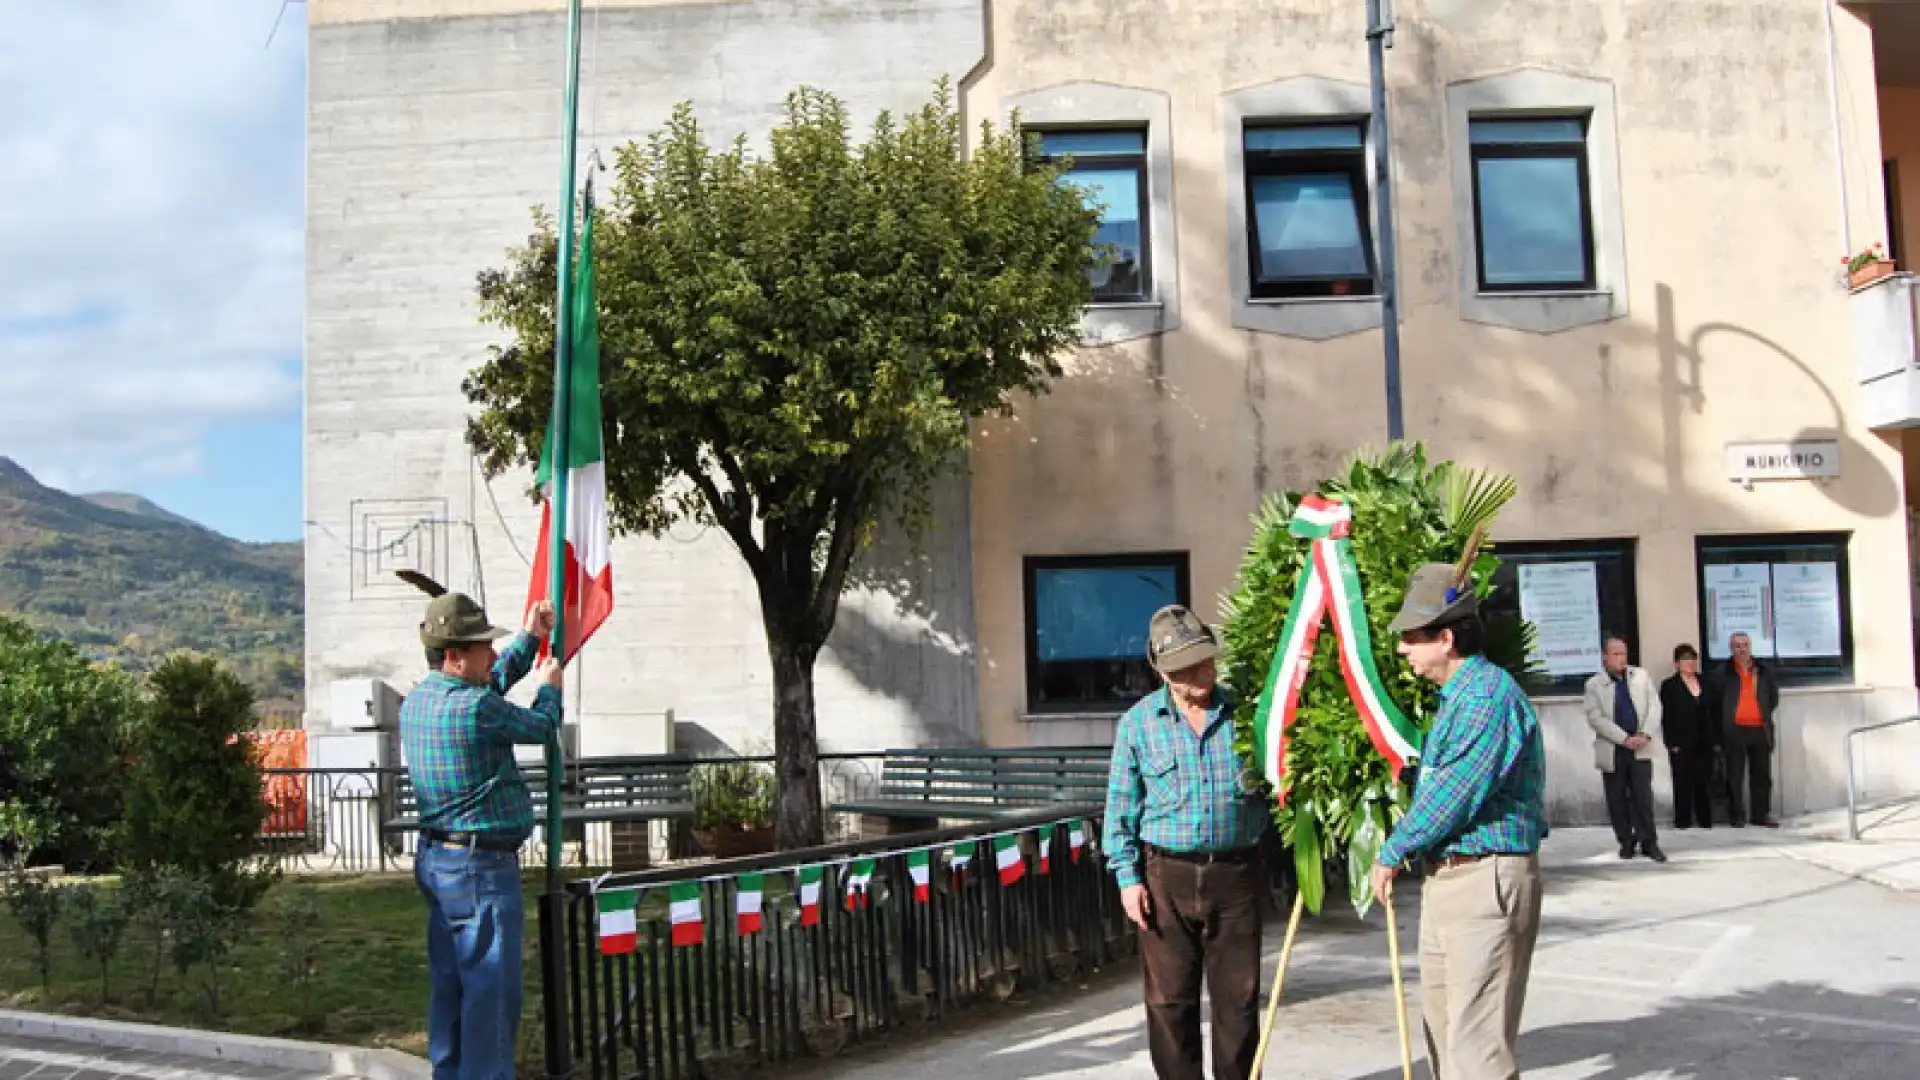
1690	724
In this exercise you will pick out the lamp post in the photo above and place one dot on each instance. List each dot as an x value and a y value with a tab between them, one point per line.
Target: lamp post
1379	39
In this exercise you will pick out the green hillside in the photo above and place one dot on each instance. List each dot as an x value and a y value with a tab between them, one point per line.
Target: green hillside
130	582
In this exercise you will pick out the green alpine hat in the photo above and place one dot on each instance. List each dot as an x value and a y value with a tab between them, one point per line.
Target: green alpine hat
454	619
1177	640
1432	599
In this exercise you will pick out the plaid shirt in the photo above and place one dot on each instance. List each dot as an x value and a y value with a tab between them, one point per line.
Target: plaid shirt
1176	790
1483	777
459	741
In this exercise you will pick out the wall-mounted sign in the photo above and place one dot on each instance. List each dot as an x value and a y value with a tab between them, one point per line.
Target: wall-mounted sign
1801	460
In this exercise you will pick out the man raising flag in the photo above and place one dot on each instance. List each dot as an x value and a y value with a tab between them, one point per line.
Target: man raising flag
589	570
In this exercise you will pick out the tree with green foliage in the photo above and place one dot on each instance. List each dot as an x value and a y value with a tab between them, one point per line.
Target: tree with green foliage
66	729
792	347
35	905
1342	799
195	802
98	922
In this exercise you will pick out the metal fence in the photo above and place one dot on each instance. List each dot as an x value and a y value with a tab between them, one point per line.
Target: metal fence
794	988
334	820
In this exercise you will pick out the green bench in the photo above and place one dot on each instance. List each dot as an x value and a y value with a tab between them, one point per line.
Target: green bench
594	790
920	787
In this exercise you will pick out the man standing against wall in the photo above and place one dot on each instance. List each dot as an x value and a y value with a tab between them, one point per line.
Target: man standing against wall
459	730
1749	697
1184	823
1477	819
1623	709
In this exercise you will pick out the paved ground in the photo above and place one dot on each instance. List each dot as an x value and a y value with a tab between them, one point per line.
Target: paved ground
1741	959
46	1059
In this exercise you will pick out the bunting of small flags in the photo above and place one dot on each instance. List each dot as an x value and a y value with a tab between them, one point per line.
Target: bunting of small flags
1046	849
1076	839
619	923
684	913
747	901
859	881
920	869
962	854
810	895
1006	856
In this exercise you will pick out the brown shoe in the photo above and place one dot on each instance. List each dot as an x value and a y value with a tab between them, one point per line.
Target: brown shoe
1769	823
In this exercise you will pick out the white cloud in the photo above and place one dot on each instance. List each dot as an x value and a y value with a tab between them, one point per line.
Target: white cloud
152	189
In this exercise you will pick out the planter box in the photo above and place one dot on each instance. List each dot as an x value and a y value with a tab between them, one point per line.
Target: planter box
1870	273
735	843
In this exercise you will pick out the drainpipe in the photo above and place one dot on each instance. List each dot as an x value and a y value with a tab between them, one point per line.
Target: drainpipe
1839	137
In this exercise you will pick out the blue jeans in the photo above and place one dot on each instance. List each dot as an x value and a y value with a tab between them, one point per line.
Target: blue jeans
475	916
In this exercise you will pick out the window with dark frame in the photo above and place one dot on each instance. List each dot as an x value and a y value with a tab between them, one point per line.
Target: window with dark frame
1532	204
1572	628
1307	216
1890	183
1087	619
1112	165
1788	593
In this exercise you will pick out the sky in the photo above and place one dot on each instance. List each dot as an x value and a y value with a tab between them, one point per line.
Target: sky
152	191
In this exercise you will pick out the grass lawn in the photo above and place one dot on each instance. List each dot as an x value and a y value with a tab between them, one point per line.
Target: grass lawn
369	986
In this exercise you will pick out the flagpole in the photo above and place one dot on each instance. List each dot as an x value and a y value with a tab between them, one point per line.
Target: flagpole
553	981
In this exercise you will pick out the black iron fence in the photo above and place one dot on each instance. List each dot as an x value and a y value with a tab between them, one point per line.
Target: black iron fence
340	820
808	981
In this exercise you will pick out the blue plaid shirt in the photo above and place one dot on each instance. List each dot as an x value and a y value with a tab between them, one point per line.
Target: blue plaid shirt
1483	774
459	741
1173	789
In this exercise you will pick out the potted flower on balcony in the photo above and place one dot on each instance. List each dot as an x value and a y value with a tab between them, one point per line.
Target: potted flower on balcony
733	808
1869	265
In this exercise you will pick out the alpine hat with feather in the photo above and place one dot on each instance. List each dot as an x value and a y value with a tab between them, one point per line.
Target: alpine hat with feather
1439	593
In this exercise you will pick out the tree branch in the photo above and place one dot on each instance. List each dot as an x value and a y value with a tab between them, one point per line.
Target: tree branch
849	509
737	521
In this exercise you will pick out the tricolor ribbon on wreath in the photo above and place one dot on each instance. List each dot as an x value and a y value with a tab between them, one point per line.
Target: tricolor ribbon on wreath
1328	581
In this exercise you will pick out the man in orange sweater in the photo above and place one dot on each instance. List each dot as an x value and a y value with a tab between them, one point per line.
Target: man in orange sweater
1749	696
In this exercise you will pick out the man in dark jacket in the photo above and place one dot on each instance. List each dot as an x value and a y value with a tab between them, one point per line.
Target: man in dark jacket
1749	696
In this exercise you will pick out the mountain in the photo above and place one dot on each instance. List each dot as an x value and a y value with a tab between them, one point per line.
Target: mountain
138	506
130	582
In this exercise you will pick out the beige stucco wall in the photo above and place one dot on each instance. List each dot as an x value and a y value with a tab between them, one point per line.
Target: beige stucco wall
336	12
1736	324
1900	142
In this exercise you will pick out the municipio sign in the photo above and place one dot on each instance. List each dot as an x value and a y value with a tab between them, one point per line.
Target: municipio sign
1808	459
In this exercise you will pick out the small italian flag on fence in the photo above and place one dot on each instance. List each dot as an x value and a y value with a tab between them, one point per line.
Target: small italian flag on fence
747	900
685	913
1076	839
1006	857
810	895
859	881
961	857
920	869
1046	849
619	921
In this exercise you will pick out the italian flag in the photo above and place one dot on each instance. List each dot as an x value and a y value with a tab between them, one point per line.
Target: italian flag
1046	849
1076	839
920	869
1006	857
810	895
589	570
859	880
751	889
962	855
685	913
619	922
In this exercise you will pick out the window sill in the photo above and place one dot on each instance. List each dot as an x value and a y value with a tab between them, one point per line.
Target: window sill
1125	320
1292	301
1123	305
1081	717
1541	294
1826	688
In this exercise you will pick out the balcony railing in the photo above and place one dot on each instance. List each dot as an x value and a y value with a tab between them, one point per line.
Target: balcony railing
1886	334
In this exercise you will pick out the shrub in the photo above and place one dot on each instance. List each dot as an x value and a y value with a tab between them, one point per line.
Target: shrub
98	923
297	919
35	904
732	795
204	924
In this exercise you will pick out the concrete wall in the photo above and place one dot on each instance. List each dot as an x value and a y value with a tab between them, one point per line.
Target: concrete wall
430	138
1721	318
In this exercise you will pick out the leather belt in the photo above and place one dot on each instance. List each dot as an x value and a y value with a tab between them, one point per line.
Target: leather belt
1451	861
1202	858
481	841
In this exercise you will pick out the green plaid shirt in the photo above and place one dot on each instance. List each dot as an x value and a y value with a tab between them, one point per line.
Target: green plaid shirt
459	741
1176	790
1483	776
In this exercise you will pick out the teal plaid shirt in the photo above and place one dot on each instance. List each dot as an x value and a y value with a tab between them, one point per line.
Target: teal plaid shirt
459	741
1176	790
1483	774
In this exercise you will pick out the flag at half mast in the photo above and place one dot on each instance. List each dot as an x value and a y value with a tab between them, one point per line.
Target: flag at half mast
587	558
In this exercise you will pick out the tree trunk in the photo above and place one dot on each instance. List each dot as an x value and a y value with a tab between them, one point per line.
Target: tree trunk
796	750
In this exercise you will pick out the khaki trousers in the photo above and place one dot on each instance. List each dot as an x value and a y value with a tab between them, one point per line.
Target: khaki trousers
1478	923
